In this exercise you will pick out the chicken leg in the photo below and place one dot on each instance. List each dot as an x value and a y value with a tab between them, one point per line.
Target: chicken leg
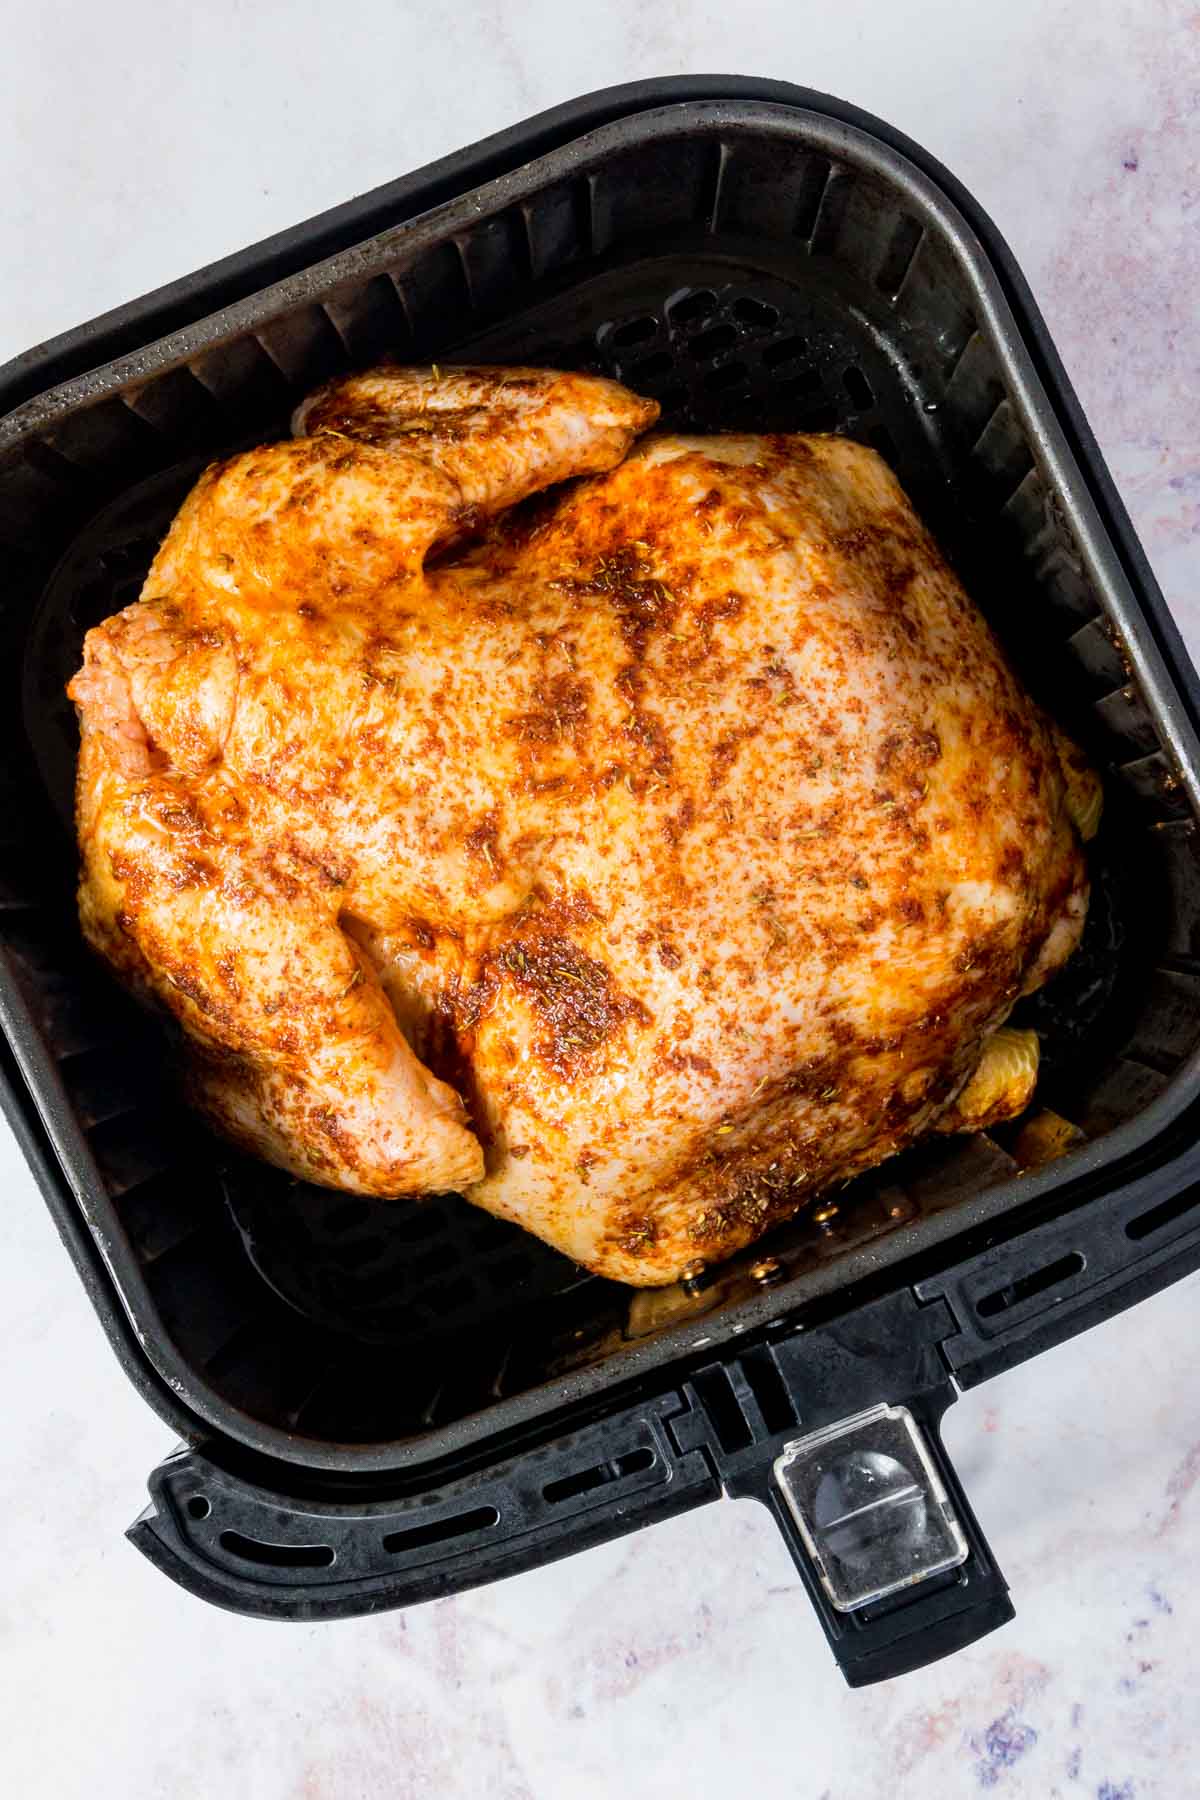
296	1050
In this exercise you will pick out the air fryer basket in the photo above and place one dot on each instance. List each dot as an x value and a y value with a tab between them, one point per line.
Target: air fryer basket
753	257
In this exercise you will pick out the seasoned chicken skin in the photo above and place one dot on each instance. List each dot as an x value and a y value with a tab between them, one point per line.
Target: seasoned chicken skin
640	860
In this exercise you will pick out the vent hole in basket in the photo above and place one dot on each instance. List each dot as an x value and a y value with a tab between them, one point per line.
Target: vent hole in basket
452	1294
356	1254
441	1531
434	1262
634	331
425	1222
1029	1285
348	1215
785	351
858	387
506	1271
1165	1213
898	258
693	308
711	343
651	367
198	1507
767	1386
727	377
126	561
278	1556
817	418
806	383
720	1403
756	314
568	1487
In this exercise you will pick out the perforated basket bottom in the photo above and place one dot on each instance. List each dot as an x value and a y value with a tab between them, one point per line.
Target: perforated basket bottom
477	1308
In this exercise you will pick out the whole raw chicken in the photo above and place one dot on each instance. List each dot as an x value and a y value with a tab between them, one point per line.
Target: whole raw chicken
640	860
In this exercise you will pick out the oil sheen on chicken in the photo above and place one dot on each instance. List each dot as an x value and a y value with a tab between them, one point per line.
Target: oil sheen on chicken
640	860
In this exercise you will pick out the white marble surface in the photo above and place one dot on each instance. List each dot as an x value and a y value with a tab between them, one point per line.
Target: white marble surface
139	140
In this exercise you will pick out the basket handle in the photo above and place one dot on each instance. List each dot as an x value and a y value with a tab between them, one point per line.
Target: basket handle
898	1571
835	1430
277	1542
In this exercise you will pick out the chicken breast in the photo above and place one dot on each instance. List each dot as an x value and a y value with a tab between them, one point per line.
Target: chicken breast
640	859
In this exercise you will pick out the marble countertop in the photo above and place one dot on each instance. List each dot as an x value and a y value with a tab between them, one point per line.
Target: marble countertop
145	139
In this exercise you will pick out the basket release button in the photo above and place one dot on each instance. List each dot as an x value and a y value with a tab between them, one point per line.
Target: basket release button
870	1506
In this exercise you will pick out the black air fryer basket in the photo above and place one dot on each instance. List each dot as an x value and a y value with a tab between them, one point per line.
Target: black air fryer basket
383	1403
